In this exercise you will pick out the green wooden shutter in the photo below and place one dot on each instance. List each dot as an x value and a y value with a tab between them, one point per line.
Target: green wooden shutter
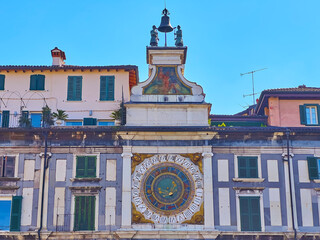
255	214
250	213
313	168
5	119
40	82
2	77
33	82
70	96
252	167
244	213
15	213
84	213
89	121
110	88
81	167
318	114
91	166
242	167
103	88
78	88
303	117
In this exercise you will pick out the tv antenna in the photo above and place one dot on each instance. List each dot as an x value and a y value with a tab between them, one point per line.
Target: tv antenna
253	93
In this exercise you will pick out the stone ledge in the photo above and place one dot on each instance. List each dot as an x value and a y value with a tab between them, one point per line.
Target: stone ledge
85	179
86	190
248	179
9	179
9	187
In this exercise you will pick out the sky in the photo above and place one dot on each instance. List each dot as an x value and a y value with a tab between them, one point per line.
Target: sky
224	38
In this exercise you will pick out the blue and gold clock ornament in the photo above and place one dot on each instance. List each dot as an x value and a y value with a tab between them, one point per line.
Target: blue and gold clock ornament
167	189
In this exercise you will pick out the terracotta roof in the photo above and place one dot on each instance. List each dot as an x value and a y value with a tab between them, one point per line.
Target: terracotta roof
300	92
65	67
301	88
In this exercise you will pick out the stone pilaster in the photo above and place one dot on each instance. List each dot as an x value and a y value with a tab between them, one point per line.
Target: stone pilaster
208	188
126	187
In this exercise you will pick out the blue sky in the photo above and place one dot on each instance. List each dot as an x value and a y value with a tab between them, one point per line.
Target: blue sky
224	38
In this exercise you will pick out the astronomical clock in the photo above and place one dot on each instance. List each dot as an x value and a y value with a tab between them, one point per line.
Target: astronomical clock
167	189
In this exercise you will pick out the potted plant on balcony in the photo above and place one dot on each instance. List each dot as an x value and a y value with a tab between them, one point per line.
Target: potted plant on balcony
60	116
116	116
24	121
47	117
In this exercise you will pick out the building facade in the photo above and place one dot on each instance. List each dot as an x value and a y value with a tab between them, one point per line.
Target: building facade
170	171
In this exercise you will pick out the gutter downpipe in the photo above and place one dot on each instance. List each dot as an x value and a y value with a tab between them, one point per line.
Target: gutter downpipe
45	166
291	186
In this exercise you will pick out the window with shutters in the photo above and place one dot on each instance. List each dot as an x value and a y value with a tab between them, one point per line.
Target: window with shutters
5	119
74	88
309	114
250	213
7	164
2	77
36	119
10	213
247	167
89	121
106	88
314	167
37	82
86	167
84	213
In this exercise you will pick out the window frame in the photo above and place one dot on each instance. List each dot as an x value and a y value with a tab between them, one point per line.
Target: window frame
313	168
7	198
37	82
107	94
250	216
15	166
236	167
34	114
303	114
97	172
2	82
72	94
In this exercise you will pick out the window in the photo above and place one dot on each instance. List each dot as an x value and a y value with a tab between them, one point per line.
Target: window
74	123
5	119
309	114
106	123
10	213
74	88
250	213
248	167
314	167
37	82
106	88
86	167
89	121
84	213
7	166
2	77
36	119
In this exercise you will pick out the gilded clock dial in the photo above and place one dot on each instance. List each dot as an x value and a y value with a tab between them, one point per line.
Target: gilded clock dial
166	189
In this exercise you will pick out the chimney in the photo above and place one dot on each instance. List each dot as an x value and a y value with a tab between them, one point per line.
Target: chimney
58	57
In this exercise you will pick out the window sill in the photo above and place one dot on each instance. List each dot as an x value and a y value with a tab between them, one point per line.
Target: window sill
316	180
249	188
85	179
10	179
86	190
248	179
9	187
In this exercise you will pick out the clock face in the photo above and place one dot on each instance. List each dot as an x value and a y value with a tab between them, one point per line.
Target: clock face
167	189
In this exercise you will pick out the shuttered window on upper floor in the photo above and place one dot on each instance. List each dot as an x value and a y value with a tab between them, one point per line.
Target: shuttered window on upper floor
106	88
86	167
37	82
309	114
248	167
2	78
250	213
314	168
16	213
74	88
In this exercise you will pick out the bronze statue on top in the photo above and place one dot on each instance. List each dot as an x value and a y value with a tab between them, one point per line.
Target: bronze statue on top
154	36
179	40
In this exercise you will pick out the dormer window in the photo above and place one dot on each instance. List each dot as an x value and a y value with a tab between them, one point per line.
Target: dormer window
309	114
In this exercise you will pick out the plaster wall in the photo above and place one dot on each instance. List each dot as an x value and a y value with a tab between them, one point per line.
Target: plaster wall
285	113
17	86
